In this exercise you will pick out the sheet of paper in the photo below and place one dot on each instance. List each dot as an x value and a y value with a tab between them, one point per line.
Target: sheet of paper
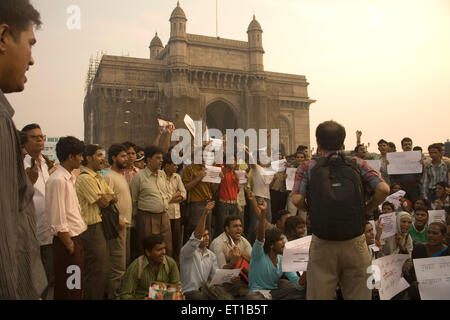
224	276
375	165
279	165
389	221
390	277
404	162
241	175
190	124
267	175
296	255
374	248
164	123
394	199
433	275
436	216
290	180
212	174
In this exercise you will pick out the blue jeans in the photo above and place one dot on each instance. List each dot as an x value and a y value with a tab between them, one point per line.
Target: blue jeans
224	210
254	220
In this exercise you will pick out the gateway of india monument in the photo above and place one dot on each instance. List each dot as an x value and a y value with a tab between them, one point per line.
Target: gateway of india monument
219	81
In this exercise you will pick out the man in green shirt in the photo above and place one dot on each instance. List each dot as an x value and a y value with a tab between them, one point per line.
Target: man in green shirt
153	266
419	229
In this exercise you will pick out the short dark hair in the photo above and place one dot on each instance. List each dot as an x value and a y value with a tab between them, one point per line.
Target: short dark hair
436	146
18	15
301	148
23	138
392	146
382	141
292	223
138	149
167	159
67	146
281	213
27	128
330	135
421	209
151	241
114	151
272	236
442	227
417	148
427	203
90	150
358	146
387	203
229	219
406	139
129	145
151	151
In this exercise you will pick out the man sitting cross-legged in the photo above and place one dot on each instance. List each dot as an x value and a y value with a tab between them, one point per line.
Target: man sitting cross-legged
266	261
153	266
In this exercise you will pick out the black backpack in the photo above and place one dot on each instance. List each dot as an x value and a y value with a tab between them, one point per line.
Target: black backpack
336	199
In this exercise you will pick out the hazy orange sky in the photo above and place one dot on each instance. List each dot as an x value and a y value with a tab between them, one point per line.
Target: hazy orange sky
381	66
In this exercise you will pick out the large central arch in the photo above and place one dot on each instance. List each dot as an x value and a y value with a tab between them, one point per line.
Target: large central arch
220	115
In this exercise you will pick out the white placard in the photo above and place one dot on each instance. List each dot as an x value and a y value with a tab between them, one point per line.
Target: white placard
267	175
394	199
296	255
436	216
374	247
224	276
290	180
404	162
212	174
164	123
190	124
433	275
390	276
375	165
279	165
241	175
389	222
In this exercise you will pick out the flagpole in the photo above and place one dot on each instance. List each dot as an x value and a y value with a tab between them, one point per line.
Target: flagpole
217	22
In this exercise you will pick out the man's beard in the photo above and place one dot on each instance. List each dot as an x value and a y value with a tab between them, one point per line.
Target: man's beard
121	166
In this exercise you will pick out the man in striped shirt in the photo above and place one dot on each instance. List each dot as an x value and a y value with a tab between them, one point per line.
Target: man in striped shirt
22	275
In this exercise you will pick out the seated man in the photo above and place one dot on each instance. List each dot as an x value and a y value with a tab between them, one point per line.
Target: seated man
419	229
230	248
153	266
197	262
294	228
266	264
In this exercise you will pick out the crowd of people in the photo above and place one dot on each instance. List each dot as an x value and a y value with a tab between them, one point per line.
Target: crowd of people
174	230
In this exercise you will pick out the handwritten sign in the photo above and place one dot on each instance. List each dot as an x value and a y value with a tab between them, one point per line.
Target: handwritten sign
389	222
390	277
433	275
436	216
190	124
296	255
404	162
212	174
224	276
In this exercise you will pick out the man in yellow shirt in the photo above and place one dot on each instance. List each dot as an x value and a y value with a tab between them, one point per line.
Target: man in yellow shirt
94	193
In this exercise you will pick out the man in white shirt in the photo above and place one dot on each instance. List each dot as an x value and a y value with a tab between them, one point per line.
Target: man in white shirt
66	221
197	262
176	189
37	167
119	248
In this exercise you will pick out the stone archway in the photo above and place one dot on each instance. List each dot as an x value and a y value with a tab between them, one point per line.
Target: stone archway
220	115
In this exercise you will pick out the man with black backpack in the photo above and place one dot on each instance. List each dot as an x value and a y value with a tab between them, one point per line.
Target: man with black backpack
333	188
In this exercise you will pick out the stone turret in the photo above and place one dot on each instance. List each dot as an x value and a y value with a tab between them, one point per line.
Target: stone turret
156	46
178	38
255	32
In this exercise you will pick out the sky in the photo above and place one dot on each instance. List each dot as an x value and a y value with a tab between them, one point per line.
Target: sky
379	66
